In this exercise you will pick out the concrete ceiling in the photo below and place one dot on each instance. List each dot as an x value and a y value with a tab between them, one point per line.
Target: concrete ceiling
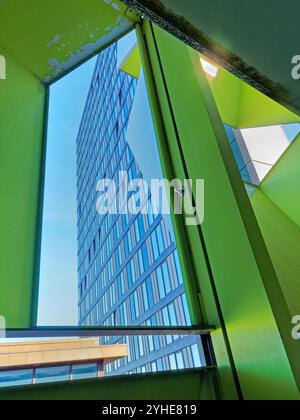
50	37
255	40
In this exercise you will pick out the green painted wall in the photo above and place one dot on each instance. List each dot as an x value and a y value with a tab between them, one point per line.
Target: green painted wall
257	110
186	385
282	237
22	100
257	38
172	166
277	207
246	289
242	106
282	183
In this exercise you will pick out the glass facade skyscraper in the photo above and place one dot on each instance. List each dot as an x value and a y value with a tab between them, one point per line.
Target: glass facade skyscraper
129	272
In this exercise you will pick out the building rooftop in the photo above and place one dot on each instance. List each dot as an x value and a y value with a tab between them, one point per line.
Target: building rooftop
53	353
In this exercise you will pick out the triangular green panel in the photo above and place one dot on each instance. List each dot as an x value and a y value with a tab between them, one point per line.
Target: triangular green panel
282	238
282	183
52	37
242	106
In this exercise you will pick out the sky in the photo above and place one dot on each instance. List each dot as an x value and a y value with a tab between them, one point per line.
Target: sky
291	130
58	274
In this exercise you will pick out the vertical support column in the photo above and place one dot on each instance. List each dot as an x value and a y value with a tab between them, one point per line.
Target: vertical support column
22	106
71	373
173	167
239	290
34	376
100	369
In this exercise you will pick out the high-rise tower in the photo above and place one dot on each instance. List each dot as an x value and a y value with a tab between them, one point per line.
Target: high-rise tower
129	272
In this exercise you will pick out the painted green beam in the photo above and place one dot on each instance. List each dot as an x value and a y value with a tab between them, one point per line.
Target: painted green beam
239	104
23	102
170	386
282	237
236	277
258	110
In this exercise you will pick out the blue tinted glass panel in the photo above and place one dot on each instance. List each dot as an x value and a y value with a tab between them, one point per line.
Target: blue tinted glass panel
52	374
16	378
84	371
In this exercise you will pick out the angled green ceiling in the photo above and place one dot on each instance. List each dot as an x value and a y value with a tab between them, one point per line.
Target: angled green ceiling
51	37
239	104
242	106
277	207
256	40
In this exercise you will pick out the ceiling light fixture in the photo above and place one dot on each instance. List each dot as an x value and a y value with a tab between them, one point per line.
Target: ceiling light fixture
209	68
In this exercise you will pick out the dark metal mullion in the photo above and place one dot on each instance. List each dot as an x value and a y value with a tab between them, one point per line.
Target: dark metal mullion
56	332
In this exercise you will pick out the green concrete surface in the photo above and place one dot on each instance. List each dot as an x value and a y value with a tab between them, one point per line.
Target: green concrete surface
255	40
282	183
185	385
51	37
282	237
242	106
277	207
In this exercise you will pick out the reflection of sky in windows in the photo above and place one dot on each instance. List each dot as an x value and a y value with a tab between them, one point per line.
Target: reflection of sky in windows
52	374
291	131
84	371
16	378
49	374
257	150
